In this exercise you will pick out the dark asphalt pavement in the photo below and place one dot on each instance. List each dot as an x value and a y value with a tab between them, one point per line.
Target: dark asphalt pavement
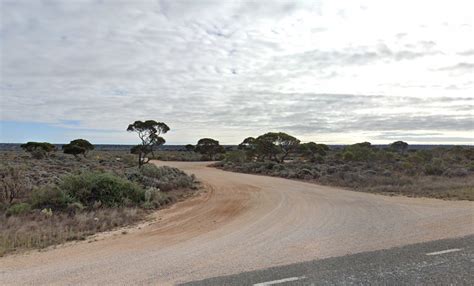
443	262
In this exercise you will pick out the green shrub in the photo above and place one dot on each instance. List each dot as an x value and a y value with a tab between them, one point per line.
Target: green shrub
435	168
14	184
110	190
74	208
348	156
237	156
38	150
164	178
154	198
470	166
18	209
50	197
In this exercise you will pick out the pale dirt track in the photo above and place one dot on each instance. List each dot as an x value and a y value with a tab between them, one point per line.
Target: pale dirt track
243	222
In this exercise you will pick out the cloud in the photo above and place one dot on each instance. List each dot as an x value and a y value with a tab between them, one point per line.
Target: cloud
458	67
230	68
467	53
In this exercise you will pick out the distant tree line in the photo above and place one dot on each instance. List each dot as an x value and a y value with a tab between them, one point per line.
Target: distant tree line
40	150
271	146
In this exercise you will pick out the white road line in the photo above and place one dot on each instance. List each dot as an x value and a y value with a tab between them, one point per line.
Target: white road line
444	251
279	281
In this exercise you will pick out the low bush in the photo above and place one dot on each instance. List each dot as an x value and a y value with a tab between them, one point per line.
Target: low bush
163	178
18	209
178	156
56	199
154	199
442	173
14	184
434	169
237	156
108	190
50	197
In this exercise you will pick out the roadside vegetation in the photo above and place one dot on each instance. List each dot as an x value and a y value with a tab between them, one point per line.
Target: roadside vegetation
206	149
49	197
445	173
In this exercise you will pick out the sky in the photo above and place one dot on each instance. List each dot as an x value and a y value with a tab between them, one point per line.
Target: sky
329	71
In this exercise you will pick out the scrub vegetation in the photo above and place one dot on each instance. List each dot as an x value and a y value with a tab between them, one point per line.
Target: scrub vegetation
445	173
48	197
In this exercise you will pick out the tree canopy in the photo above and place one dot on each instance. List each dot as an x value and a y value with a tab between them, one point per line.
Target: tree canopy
209	148
311	150
189	147
77	147
399	146
359	152
33	146
275	146
38	149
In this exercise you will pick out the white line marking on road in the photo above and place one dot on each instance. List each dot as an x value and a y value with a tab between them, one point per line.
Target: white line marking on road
279	281
444	251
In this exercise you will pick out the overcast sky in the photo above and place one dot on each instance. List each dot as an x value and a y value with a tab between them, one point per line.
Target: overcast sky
327	71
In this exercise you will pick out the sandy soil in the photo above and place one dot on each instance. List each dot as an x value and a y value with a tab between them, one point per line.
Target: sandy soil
242	222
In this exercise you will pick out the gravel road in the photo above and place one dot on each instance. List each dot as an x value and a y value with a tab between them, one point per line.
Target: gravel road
242	223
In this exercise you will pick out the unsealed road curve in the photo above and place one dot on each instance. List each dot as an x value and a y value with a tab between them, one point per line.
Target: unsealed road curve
242	223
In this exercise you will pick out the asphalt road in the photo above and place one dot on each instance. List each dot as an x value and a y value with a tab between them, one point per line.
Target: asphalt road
442	262
242	223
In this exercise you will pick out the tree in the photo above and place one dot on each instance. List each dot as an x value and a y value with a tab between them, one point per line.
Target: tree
38	149
149	132
249	146
311	150
359	152
399	146
209	148
77	147
189	147
73	150
277	145
83	144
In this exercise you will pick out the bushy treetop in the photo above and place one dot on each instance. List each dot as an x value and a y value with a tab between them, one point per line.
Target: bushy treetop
34	146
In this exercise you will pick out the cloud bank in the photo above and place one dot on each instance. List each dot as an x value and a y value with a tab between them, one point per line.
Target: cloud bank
330	71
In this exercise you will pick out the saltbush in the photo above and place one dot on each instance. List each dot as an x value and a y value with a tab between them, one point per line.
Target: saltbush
154	198
237	156
18	209
163	178
50	196
435	168
108	189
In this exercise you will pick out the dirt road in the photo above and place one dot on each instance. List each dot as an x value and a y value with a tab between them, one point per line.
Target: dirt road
243	222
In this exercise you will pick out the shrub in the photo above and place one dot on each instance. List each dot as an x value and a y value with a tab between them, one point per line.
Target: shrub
154	198
78	146
38	154
74	208
18	209
360	152
348	156
237	156
38	149
470	166
110	190
13	184
456	172
435	168
164	178
50	197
